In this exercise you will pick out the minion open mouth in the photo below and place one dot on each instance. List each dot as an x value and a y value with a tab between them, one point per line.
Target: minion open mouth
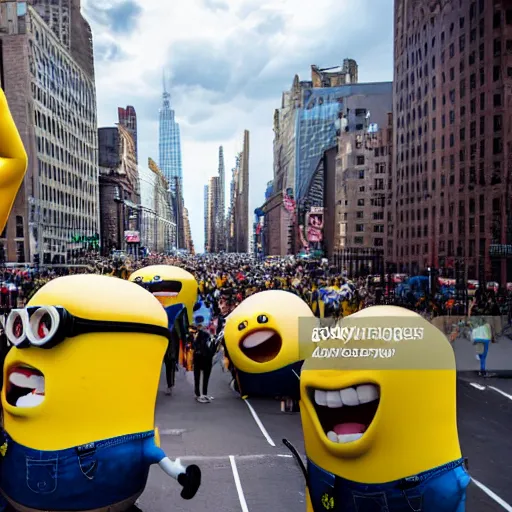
165	288
261	346
346	414
25	387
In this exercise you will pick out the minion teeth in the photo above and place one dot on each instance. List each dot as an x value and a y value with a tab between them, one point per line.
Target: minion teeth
26	387
346	414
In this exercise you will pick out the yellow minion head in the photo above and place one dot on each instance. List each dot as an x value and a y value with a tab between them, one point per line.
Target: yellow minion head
86	362
170	285
383	414
262	333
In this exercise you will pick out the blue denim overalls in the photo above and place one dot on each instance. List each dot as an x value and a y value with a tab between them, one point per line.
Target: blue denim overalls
81	478
442	489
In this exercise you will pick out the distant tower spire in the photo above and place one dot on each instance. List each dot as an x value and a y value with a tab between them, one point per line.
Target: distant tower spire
166	93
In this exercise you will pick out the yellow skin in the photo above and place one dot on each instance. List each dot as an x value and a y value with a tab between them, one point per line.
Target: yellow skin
282	311
170	275
90	391
13	161
415	426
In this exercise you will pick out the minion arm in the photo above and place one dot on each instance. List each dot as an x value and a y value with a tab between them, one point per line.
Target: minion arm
13	161
173	469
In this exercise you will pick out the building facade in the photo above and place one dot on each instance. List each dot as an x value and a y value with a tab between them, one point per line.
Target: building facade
212	215
119	191
170	143
55	217
157	226
65	20
241	211
451	184
128	118
363	170
206	224
298	123
189	242
221	204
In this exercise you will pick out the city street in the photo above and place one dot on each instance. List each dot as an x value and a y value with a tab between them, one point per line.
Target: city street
246	467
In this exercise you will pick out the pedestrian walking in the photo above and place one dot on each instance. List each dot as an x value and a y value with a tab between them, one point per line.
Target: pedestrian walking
204	350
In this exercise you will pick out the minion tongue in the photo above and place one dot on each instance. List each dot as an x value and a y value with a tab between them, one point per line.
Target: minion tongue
349	428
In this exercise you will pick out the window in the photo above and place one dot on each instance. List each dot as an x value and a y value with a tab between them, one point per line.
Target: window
20	252
361	173
508	17
378	242
462	43
497	123
496	73
497	47
379	184
452	50
360	160
497	100
360	202
358	240
481	51
508	45
496	20
497	146
482	76
19	226
482	101
509	72
378	228
359	228
482	125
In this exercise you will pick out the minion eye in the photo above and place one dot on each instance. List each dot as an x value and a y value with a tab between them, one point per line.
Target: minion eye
138	280
242	325
157	279
262	319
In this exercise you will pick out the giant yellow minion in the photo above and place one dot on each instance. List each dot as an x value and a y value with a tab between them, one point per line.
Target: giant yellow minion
79	397
13	161
379	417
262	342
170	285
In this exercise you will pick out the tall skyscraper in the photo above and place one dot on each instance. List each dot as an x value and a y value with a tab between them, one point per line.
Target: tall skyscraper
221	204
51	91
169	142
242	199
213	195
128	118
206	196
452	164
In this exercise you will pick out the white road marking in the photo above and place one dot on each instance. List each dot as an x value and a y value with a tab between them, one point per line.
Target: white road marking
172	431
501	392
239	457
477	386
239	489
260	424
493	495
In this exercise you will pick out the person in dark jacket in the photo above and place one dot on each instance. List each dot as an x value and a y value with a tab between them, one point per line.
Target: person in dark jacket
204	350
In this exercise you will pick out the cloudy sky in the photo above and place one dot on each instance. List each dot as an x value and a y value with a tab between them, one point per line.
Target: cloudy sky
228	63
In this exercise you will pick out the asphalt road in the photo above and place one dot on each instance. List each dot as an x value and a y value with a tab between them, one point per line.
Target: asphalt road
247	469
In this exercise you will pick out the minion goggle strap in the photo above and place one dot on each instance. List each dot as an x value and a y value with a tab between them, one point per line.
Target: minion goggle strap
47	326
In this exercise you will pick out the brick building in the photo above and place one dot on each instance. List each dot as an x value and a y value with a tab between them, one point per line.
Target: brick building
49	84
363	170
452	125
119	191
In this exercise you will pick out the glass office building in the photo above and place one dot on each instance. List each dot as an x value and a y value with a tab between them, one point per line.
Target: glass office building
169	143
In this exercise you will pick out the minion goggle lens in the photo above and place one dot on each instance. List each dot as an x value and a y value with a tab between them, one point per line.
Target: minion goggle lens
47	326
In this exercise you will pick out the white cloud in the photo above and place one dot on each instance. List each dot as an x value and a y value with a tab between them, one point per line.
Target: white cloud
230	60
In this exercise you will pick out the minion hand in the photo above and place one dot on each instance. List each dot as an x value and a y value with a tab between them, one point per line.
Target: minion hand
189	477
13	161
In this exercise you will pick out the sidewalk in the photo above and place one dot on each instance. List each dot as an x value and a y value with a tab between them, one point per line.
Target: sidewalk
499	358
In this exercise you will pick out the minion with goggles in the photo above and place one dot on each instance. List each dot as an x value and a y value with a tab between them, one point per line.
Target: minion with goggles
380	421
170	285
75	439
261	339
13	161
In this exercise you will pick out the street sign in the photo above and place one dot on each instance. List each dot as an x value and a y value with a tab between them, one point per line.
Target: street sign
500	251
